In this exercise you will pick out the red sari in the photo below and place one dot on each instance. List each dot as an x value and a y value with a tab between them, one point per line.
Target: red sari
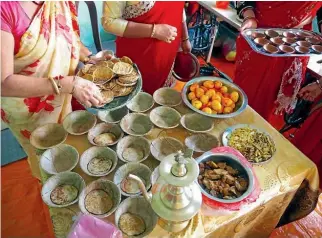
272	83
154	57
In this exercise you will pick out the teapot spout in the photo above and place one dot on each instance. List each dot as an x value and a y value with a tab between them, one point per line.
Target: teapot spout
141	185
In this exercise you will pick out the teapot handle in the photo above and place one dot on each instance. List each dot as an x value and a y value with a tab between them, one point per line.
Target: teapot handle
141	185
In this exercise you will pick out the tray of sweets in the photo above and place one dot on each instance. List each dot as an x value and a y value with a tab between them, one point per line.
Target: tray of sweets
278	42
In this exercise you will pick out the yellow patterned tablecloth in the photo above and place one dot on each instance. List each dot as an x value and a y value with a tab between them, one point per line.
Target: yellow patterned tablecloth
289	184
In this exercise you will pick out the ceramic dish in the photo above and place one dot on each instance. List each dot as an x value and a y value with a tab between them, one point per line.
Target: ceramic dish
114	131
139	207
201	142
113	116
155	175
136	124
167	97
79	122
48	136
97	194
64	178
98	161
129	187
59	159
141	103
133	149
197	123
165	117
164	146
227	133
186	66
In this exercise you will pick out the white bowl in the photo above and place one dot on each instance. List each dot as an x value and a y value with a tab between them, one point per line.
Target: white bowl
202	142
167	97
133	147
94	152
165	117
141	103
164	146
136	124
138	206
64	178
59	159
197	123
79	122
105	128
107	186
48	136
114	116
137	169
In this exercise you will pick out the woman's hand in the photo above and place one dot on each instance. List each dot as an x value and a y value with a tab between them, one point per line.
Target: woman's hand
165	32
87	93
250	23
310	92
186	46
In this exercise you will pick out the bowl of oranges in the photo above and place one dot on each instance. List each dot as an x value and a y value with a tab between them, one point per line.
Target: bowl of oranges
214	97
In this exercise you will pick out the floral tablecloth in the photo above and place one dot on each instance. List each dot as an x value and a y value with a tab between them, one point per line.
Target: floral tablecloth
289	188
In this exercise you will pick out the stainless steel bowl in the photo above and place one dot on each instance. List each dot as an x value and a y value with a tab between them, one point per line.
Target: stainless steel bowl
234	162
241	104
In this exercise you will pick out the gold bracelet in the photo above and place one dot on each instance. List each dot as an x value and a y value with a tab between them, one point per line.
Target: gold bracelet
153	31
56	89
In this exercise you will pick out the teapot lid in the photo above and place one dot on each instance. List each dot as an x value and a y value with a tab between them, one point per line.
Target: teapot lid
178	169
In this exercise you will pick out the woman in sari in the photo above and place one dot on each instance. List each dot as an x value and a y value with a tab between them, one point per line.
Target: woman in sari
150	33
42	49
272	84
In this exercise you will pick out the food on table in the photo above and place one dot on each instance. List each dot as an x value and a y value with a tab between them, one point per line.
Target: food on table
99	165
133	154
105	139
131	224
115	77
64	194
221	180
130	186
254	145
98	202
213	97
80	126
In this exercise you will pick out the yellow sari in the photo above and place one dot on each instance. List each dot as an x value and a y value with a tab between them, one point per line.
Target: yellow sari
49	48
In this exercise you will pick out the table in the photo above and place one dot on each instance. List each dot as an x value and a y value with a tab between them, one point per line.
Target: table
289	179
230	16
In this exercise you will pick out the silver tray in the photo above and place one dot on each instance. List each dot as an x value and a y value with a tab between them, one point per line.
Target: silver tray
230	130
120	101
259	49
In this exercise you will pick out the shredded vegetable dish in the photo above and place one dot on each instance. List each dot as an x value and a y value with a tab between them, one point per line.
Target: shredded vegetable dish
254	145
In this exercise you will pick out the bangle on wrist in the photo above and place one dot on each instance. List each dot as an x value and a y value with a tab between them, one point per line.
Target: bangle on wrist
319	84
153	31
249	18
87	58
55	86
185	39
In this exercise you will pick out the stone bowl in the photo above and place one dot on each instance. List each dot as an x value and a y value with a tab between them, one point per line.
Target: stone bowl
167	97
114	116
136	124
105	128
197	123
133	149
165	117
164	146
202	142
79	122
141	103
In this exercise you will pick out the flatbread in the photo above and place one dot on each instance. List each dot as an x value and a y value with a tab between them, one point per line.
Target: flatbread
126	59
109	85
102	75
107	96
64	194
98	202
131	78
133	154
132	224
130	186
120	91
125	84
88	77
105	139
102	64
99	165
88	69
122	68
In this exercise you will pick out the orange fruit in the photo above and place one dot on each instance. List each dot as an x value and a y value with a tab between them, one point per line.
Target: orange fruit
227	110
221	110
226	95
199	92
210	93
207	110
234	96
193	87
216	105
204	99
216	97
208	84
224	89
219	94
204	88
214	112
191	95
227	102
233	106
218	84
197	104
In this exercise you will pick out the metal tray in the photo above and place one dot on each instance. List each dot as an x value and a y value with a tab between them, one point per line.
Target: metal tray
247	35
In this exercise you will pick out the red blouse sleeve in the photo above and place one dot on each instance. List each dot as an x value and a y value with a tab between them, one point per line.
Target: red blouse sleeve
7	17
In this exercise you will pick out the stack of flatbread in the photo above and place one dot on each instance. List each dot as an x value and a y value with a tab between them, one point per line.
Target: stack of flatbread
115	77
